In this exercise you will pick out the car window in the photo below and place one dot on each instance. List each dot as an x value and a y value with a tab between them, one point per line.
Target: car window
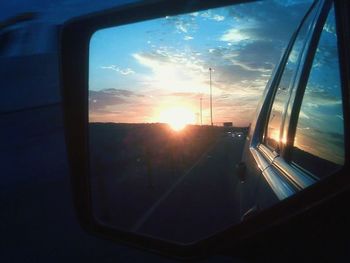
272	136
319	141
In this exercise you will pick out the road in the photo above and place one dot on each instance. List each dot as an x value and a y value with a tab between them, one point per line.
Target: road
205	201
182	206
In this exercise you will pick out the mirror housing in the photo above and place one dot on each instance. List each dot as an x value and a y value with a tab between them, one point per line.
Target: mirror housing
74	62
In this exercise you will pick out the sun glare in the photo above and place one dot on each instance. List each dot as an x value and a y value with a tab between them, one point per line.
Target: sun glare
177	118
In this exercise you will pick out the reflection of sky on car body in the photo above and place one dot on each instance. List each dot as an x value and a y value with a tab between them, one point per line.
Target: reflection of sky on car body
320	128
285	86
165	62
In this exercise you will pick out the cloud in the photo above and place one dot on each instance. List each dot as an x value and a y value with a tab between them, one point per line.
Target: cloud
218	18
119	92
330	28
120	105
184	77
320	98
234	35
182	27
270	20
99	101
303	115
186	24
173	70
328	145
256	56
210	15
324	137
188	38
126	71
183	24
261	31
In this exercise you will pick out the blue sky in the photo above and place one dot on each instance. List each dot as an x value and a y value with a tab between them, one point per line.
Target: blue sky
139	70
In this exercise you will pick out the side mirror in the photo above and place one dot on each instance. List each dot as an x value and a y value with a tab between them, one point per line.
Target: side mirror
150	166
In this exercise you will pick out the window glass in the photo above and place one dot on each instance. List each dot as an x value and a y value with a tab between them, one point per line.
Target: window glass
272	137
319	140
169	102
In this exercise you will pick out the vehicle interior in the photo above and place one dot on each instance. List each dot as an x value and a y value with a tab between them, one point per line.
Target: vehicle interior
167	131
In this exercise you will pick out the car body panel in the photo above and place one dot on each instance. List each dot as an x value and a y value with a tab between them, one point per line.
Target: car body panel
267	169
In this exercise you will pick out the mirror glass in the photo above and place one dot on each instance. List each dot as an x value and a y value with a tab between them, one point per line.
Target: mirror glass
170	104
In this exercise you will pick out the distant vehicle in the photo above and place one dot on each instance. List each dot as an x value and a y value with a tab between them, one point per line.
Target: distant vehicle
238	135
228	124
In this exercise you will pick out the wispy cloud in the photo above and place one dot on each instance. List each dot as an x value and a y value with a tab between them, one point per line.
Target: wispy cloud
188	37
171	70
126	71
218	18
183	24
212	16
234	35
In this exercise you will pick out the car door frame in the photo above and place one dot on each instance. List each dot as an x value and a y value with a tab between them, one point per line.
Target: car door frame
282	178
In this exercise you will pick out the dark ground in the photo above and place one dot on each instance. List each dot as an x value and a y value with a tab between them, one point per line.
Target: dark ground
179	186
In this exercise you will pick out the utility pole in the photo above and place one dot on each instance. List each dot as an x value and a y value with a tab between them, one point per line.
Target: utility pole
200	109
211	102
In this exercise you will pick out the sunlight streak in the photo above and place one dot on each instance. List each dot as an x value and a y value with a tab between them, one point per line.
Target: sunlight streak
177	118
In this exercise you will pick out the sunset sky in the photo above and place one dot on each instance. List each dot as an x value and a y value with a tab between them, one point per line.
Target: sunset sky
141	72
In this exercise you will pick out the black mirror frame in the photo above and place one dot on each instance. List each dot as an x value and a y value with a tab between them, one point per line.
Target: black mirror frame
74	64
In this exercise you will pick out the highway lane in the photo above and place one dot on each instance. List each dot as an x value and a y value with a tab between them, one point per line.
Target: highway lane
176	201
205	201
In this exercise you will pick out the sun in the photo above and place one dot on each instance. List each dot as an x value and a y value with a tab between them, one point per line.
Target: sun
177	118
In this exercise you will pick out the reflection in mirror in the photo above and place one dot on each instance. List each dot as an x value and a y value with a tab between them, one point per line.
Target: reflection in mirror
273	137
319	144
170	101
